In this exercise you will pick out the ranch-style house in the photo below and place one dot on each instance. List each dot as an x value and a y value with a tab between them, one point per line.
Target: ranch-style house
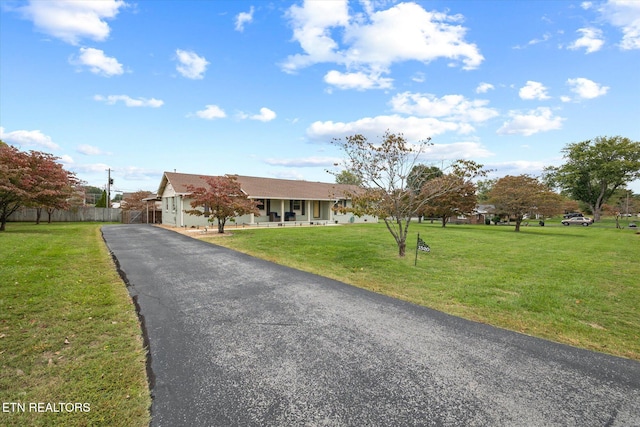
280	201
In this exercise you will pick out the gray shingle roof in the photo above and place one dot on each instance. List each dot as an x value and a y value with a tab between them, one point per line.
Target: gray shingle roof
265	188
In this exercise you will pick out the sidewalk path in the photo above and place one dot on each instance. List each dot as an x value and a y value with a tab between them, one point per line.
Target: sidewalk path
237	341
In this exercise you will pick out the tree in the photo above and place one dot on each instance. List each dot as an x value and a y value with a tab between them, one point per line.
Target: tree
32	179
484	188
522	195
102	202
383	170
346	177
51	185
420	174
135	201
460	200
14	181
595	169
223	199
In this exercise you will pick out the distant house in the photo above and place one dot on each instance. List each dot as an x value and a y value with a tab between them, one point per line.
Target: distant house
280	201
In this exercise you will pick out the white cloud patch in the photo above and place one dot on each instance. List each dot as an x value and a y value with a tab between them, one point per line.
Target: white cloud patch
456	150
129	102
624	14
533	90
414	128
190	64
591	40
357	80
452	107
305	162
97	62
89	150
28	138
541	119
372	41
266	115
244	18
72	21
211	112
586	89
484	87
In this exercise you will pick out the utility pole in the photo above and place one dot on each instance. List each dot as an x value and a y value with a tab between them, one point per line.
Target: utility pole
109	182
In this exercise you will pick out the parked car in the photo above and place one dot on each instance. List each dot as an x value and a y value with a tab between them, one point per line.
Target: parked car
581	220
572	215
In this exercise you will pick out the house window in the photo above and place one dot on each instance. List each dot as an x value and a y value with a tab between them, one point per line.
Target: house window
297	205
260	204
207	211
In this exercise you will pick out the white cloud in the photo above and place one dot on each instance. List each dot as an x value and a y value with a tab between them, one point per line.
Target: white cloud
624	14
190	64
456	150
28	138
72	21
516	167
454	107
533	90
358	80
305	162
373	41
211	112
591	40
586	5
484	87
98	62
586	88
130	102
414	128
244	18
89	150
266	115
534	121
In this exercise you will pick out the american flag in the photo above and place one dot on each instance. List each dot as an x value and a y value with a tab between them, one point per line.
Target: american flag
422	246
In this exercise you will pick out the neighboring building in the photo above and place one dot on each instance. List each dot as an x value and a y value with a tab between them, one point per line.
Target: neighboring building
280	201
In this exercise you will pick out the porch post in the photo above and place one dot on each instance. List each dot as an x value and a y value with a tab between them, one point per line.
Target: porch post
308	202
281	210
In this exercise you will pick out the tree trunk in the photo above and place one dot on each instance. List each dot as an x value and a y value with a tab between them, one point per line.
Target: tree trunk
38	215
518	222
221	222
444	221
402	248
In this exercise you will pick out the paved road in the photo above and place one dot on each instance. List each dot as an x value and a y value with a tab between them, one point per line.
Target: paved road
235	341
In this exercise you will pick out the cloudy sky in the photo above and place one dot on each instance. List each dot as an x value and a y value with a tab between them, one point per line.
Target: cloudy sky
262	87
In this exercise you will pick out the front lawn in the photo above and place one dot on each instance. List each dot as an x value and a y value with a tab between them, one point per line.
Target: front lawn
575	285
71	352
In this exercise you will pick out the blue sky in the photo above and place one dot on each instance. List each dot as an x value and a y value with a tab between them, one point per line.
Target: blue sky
261	87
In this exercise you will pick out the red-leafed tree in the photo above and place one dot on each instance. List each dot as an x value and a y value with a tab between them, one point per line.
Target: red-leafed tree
51	186
14	181
517	196
31	179
222	199
460	200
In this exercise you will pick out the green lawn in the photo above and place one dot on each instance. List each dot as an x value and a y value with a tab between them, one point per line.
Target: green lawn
68	331
576	285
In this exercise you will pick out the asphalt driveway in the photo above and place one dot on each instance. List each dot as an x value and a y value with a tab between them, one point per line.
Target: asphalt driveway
235	340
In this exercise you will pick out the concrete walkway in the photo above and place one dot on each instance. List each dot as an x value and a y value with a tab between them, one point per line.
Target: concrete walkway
235	340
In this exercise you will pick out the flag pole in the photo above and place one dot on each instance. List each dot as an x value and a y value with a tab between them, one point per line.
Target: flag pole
415	263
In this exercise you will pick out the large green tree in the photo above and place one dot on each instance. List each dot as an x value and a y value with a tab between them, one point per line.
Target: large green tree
595	169
384	168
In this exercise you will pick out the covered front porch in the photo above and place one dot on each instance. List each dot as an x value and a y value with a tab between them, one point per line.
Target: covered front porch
293	211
